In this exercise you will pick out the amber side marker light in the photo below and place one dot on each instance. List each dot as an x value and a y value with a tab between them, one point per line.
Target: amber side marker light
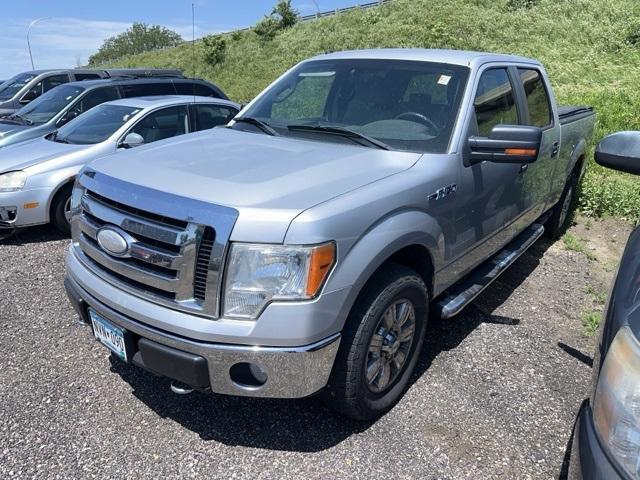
28	206
521	152
322	259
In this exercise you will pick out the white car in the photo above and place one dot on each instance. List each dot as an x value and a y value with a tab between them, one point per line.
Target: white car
36	177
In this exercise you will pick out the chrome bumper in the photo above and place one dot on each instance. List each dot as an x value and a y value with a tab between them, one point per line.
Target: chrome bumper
292	372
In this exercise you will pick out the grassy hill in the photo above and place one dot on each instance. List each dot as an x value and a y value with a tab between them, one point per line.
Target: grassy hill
591	49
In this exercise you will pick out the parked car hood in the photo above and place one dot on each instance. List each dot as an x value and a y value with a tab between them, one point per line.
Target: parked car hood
241	169
33	152
268	179
10	128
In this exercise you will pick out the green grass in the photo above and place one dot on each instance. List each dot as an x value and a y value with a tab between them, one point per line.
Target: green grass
586	45
573	243
591	321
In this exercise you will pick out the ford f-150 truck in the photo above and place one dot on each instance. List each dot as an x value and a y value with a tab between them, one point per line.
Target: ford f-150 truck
303	248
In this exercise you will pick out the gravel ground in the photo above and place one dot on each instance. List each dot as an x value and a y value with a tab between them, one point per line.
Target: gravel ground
495	394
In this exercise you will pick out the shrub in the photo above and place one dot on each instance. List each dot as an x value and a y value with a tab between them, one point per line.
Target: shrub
215	49
282	16
518	4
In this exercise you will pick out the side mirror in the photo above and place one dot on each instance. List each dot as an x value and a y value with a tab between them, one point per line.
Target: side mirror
29	96
620	151
67	117
132	140
506	144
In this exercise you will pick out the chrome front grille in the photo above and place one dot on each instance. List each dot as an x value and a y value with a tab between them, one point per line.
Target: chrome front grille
169	261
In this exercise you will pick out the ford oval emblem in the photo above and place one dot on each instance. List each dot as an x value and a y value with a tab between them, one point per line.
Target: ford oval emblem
113	241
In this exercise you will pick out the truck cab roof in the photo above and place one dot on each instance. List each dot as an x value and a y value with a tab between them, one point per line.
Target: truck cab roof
454	57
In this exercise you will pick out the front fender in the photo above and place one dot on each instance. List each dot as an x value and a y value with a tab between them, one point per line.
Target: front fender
388	236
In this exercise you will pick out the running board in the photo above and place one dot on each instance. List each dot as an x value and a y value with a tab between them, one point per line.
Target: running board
458	296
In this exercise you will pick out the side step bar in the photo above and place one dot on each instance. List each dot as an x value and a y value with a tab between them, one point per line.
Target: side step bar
458	296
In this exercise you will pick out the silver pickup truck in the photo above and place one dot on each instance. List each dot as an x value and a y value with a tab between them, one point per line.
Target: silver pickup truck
303	248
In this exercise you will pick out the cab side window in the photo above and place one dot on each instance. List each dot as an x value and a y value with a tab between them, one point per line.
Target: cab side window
164	123
494	102
537	98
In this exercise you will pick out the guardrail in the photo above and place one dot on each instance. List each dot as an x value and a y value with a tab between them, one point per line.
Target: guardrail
328	13
307	18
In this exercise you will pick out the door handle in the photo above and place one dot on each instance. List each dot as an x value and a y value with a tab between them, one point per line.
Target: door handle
524	167
555	148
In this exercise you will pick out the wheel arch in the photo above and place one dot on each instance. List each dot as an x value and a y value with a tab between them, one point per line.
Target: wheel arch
382	246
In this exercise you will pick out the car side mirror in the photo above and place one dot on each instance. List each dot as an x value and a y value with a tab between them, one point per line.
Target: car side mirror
67	117
620	151
29	96
132	140
506	144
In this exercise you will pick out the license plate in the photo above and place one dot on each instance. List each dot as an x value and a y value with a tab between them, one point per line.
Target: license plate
109	335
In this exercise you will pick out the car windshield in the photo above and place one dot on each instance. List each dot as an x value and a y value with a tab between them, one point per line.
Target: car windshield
12	86
95	126
47	106
405	105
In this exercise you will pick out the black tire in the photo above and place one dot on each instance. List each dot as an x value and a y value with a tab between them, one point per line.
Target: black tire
349	391
58	206
563	211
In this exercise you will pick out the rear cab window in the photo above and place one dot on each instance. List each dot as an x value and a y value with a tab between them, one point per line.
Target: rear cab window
537	98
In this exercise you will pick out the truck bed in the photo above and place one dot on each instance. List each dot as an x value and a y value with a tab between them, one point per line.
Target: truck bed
571	113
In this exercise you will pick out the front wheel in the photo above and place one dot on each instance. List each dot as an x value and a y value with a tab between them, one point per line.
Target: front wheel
380	345
61	210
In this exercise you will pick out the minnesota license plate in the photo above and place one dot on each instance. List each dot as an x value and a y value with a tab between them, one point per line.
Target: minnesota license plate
109	335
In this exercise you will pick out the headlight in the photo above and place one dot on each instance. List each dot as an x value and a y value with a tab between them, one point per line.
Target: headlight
12	181
616	404
257	274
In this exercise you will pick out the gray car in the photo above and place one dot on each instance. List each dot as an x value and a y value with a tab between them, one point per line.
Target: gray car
25	87
36	176
302	249
65	102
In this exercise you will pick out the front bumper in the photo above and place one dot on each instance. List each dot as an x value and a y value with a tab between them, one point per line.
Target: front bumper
292	372
588	460
25	207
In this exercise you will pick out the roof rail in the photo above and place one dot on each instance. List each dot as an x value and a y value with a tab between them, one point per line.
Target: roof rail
143	73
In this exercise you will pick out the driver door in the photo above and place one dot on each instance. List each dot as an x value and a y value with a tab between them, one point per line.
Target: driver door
492	197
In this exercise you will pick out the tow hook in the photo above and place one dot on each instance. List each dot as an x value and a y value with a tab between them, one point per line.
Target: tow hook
180	388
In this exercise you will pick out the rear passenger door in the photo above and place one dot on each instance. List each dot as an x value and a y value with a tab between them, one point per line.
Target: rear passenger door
542	176
209	115
162	123
491	196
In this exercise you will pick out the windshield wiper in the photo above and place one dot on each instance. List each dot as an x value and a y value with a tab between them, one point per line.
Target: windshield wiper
20	119
264	126
343	131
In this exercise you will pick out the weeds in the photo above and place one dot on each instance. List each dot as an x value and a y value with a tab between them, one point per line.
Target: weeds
573	243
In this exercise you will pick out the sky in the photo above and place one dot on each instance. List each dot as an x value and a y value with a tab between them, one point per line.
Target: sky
75	29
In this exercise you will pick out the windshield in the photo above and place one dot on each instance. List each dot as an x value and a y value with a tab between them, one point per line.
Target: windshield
96	125
12	86
47	106
407	105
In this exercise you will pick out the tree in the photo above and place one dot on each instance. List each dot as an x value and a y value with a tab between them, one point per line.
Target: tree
139	38
282	16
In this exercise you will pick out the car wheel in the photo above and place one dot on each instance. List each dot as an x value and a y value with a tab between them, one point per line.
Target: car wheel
380	345
563	211
61	210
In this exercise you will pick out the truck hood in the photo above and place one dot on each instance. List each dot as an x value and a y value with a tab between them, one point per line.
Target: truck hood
33	152
269	180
